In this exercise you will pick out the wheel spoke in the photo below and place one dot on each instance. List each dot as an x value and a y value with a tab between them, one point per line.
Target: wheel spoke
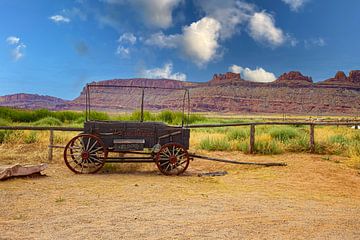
92	146
95	150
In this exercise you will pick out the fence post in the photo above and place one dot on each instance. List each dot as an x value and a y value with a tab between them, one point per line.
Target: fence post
51	143
312	138
252	138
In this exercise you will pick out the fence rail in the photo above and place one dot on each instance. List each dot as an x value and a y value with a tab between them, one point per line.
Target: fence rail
251	124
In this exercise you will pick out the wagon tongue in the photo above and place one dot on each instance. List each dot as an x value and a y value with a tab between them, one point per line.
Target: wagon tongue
267	164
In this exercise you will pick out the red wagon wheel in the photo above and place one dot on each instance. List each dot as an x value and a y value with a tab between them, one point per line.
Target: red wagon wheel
85	153
172	159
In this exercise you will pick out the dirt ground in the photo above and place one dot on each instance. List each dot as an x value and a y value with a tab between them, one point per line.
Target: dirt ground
314	197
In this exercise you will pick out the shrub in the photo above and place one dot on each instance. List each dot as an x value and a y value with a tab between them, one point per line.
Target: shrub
237	134
338	139
299	144
48	121
262	147
4	122
283	134
211	144
31	138
100	116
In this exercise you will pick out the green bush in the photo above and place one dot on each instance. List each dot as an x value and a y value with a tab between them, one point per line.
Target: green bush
31	138
210	144
261	146
237	134
48	121
100	116
283	134
299	144
339	139
4	122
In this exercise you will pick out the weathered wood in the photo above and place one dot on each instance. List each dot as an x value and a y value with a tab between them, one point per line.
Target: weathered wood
273	123
7	171
312	138
252	139
51	143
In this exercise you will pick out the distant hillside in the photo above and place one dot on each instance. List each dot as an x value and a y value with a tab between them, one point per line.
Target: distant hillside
291	93
32	101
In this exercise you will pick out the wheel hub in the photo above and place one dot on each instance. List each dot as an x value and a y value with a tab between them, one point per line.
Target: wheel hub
85	155
173	159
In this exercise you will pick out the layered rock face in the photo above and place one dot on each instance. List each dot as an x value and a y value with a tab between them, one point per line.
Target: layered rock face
294	76
225	78
291	93
31	101
354	76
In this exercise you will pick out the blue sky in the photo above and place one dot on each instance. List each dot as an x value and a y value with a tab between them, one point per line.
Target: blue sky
55	47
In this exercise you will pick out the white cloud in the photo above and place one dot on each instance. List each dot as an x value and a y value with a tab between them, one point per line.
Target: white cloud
163	41
127	38
123	51
262	29
315	42
256	75
295	5
12	40
199	40
229	13
155	13
164	72
59	19
18	52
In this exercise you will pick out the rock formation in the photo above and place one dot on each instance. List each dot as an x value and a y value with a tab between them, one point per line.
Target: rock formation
294	76
225	78
354	76
291	93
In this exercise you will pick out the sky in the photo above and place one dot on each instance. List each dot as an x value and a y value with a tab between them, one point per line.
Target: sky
55	47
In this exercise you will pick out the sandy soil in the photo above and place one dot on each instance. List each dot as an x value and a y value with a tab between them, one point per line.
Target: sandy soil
312	198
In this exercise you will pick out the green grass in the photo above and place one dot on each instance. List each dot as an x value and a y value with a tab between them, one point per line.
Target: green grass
213	144
271	147
48	121
238	134
283	134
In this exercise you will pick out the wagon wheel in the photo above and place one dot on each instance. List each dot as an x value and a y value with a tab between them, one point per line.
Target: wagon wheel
172	159
85	153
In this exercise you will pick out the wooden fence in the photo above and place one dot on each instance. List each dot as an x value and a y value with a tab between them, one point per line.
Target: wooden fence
252	126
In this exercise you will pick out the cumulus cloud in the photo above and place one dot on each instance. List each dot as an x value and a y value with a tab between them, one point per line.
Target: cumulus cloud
262	29
127	38
155	13
59	19
12	40
229	13
256	75
295	5
165	72
18	52
199	40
